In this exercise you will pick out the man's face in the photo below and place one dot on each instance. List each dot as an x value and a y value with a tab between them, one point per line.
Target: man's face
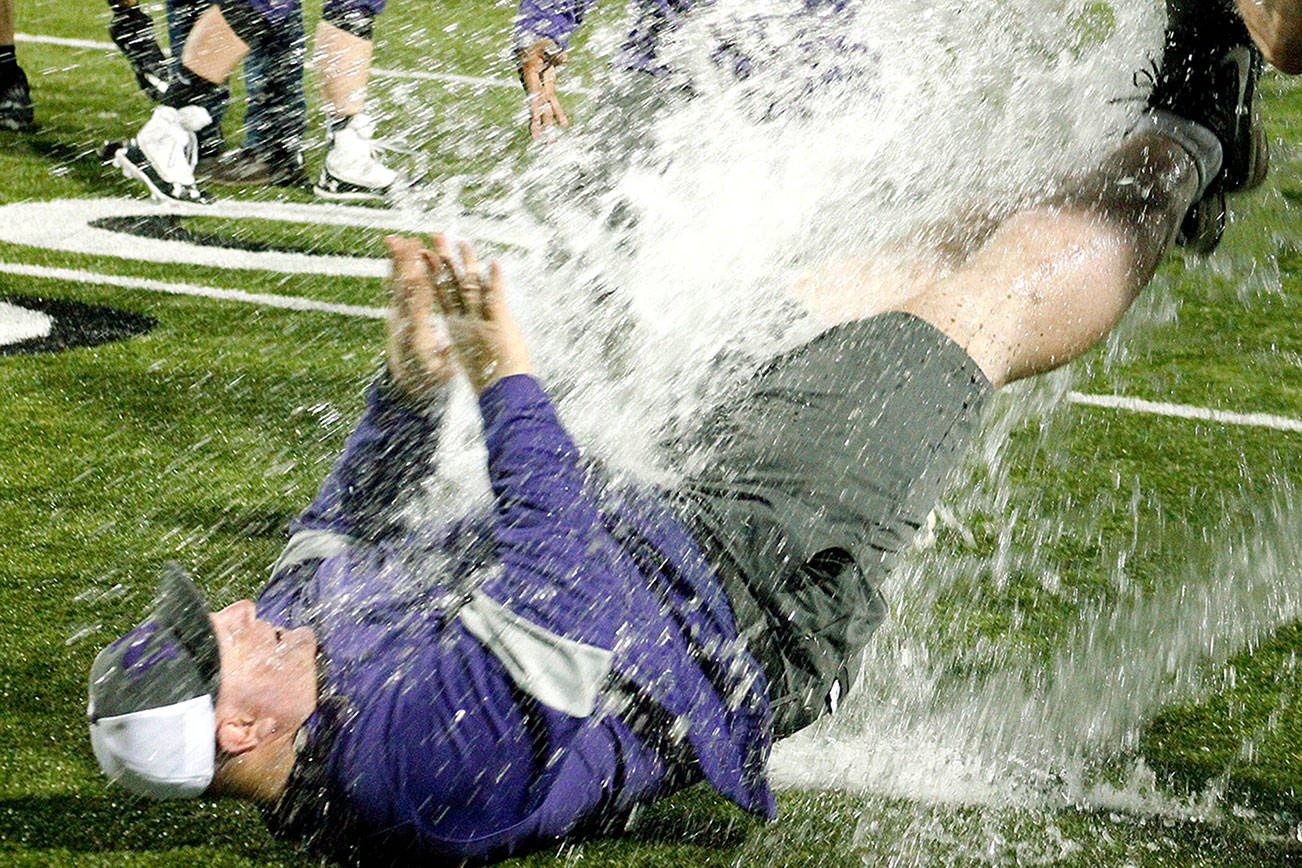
267	671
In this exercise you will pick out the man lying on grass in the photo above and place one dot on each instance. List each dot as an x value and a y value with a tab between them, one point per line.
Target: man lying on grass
535	672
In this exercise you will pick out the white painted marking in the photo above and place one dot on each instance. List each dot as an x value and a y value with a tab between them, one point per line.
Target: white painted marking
286	302
472	80
1187	411
65	42
64	224
376	71
22	324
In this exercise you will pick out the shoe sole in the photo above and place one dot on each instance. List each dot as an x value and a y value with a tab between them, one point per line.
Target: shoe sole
349	195
1259	161
19	120
128	168
1203	226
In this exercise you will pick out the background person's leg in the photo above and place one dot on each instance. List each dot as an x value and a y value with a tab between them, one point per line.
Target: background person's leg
342	56
182	15
343	62
132	30
163	153
276	118
273	76
16	111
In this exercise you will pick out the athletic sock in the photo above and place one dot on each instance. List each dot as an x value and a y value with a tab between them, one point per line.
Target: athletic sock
191	89
1199	142
335	123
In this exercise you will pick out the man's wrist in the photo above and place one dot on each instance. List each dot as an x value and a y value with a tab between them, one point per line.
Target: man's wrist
395	394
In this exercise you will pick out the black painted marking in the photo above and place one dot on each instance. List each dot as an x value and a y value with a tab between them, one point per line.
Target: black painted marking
167	227
75	325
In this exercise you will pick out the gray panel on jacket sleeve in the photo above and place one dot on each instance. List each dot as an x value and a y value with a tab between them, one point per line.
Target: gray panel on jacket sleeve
308	544
560	673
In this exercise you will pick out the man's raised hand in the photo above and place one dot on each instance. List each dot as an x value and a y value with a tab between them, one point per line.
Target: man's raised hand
538	65
419	356
487	341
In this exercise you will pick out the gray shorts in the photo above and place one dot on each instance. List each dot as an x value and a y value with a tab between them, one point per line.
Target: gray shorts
818	470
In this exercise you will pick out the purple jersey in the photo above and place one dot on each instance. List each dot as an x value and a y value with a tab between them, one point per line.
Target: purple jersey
513	677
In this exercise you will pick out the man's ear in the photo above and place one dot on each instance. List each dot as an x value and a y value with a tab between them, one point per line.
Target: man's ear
237	733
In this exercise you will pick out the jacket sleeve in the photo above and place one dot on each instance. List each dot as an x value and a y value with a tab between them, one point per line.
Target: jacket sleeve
560	571
556	20
385	457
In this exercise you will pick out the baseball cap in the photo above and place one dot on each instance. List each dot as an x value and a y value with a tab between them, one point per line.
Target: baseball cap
152	695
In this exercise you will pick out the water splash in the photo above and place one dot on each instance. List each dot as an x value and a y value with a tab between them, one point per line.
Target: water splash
676	228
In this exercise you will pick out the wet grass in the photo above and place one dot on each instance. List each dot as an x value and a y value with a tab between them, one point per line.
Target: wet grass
201	439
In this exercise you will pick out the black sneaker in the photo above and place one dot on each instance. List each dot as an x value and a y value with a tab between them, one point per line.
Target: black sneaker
1208	75
131	160
255	167
16	111
133	32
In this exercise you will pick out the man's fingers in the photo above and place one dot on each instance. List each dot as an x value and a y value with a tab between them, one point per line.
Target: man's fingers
553	101
540	115
407	275
472	295
441	284
495	291
405	264
420	291
458	287
448	281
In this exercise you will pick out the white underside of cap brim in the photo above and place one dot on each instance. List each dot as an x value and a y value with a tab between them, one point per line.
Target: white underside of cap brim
162	753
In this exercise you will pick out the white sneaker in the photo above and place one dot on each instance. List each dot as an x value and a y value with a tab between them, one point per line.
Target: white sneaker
163	154
351	171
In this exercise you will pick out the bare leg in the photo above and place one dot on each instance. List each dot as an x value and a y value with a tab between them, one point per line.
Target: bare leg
882	279
343	63
1051	282
850	289
212	49
6	22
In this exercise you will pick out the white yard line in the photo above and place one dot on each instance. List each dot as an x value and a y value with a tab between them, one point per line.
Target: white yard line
66	43
1187	411
288	302
377	71
68	225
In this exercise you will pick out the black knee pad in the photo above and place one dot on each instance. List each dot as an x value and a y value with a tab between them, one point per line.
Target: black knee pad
350	18
250	25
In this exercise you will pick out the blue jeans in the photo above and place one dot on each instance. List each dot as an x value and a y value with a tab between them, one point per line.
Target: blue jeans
273	76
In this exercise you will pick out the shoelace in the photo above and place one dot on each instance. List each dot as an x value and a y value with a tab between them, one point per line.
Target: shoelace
1143	80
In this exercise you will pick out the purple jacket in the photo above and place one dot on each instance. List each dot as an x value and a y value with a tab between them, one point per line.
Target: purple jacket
516	676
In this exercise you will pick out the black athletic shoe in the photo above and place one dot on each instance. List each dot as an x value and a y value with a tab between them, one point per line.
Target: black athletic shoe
1208	75
269	167
16	111
131	160
133	32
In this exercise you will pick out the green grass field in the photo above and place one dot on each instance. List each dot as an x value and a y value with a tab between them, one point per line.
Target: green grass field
201	439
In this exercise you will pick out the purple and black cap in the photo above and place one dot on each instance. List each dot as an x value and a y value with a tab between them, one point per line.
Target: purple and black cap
152	697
